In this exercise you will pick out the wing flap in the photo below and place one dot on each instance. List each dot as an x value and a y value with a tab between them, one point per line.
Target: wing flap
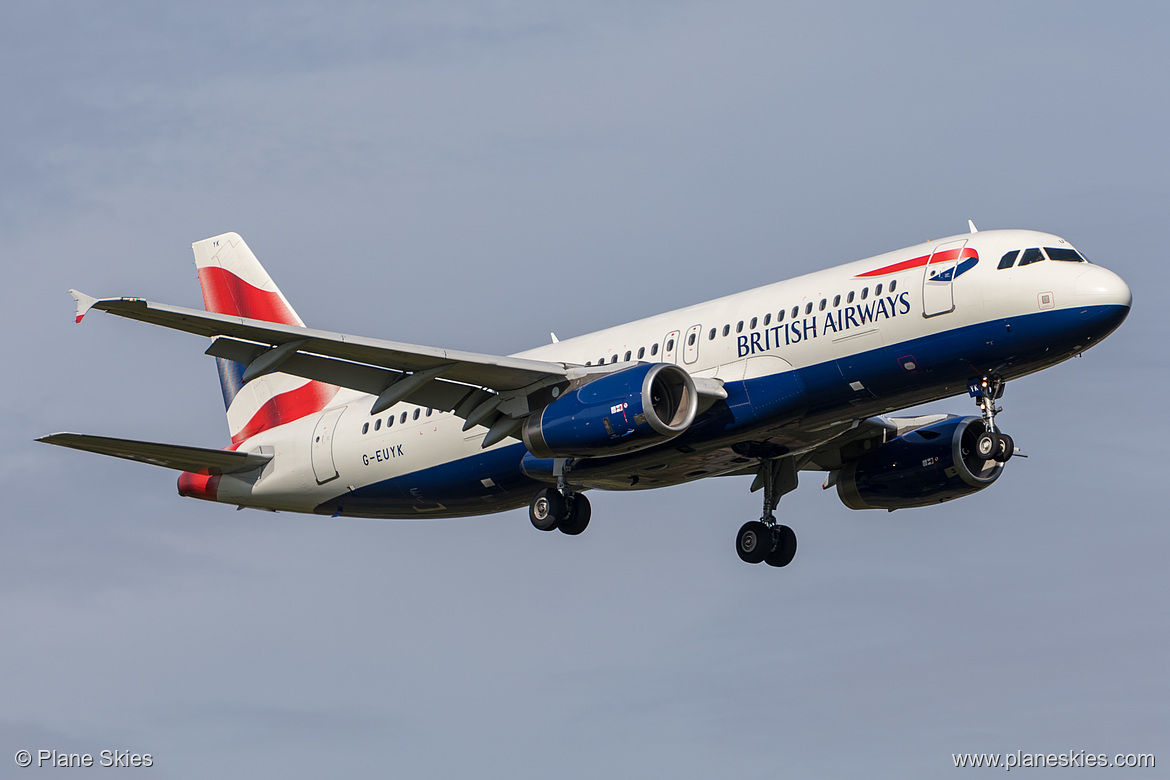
197	460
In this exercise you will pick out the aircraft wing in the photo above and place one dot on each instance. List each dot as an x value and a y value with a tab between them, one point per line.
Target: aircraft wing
494	391
500	373
859	439
198	460
844	441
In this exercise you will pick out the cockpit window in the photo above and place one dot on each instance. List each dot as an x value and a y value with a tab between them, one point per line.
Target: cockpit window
1008	260
1030	256
1066	254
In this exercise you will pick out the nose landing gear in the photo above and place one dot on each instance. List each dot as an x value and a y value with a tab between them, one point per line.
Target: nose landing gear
991	444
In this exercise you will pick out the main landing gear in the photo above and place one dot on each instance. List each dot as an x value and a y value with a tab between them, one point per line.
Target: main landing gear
991	444
763	540
559	507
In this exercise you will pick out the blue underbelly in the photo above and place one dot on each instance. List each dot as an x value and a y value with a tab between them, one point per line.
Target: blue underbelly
871	382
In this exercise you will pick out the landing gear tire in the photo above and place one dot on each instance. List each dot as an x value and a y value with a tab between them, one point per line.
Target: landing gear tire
547	510
1006	448
753	542
987	445
577	517
784	549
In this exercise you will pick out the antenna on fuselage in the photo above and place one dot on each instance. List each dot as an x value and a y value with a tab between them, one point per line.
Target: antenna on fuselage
971	224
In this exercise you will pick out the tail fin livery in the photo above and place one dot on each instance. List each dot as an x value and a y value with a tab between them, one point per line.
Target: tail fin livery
234	283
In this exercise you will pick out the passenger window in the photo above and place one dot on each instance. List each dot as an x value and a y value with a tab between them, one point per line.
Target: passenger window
1008	260
726	329
415	415
588	362
613	358
641	352
403	418
739	327
629	355
365	429
877	290
836	301
429	411
711	335
864	293
654	349
389	421
893	284
767	319
849	298
824	303
377	423
780	316
795	312
808	309
691	340
1063	254
752	324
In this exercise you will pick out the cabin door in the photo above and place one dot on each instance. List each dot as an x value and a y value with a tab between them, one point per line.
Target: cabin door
938	294
322	446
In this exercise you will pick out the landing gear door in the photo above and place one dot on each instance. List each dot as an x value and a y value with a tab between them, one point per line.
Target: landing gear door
670	347
322	445
938	294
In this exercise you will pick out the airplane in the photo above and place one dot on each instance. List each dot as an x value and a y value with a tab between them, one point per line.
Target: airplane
795	376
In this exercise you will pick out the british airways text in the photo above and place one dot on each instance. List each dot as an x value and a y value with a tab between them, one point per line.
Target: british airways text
854	316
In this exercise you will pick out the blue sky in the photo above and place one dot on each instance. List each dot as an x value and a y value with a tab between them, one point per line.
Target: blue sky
474	176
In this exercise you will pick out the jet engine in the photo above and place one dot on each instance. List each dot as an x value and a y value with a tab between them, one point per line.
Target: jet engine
928	465
625	411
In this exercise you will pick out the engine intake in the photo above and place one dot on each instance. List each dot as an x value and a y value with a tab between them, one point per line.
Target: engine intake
926	466
626	411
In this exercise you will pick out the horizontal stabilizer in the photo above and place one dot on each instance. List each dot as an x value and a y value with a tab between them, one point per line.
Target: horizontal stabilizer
197	460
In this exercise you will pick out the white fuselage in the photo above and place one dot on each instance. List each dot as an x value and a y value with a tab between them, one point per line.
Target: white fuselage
840	333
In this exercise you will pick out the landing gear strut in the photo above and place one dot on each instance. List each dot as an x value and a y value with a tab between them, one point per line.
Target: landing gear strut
560	507
764	540
991	444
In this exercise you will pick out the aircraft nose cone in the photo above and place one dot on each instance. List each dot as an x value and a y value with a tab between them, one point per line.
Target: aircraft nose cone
1104	300
1101	287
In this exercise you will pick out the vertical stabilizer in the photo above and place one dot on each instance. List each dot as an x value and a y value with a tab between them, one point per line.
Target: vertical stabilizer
234	283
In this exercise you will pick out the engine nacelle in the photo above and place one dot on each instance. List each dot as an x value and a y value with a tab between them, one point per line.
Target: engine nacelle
929	465
626	411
